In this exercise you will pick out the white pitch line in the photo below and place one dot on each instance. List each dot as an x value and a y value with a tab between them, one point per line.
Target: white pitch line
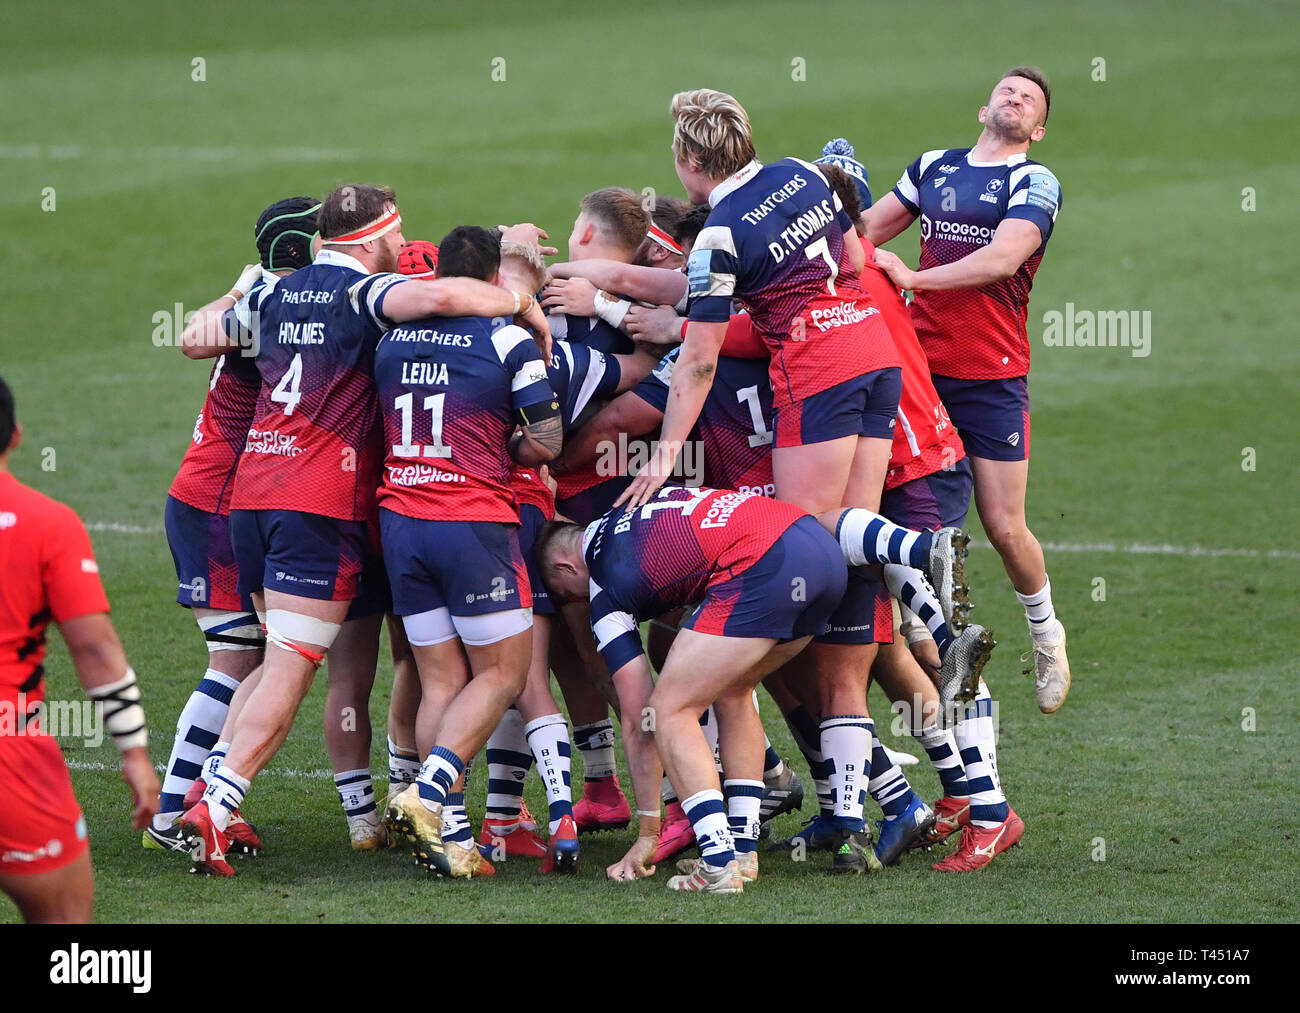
1133	549
1139	549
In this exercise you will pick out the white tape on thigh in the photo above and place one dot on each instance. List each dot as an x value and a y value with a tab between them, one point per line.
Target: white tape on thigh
424	629
283	625
232	631
910	626
479	631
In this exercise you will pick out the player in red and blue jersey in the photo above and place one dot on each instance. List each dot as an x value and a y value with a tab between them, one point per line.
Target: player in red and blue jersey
612	225
306	481
734	429
763	577
197	521
987	214
452	392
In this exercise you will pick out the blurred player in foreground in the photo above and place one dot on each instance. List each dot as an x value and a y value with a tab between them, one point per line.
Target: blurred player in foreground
49	572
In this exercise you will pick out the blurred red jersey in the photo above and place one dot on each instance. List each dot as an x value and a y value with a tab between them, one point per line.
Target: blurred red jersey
49	572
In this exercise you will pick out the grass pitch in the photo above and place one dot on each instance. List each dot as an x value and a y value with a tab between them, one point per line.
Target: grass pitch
156	136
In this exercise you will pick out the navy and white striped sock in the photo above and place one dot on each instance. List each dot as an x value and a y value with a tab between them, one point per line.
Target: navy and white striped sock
356	794
866	537
940	745
807	736
213	763
846	744
403	768
1038	608
744	800
548	737
439	772
596	744
975	737
910	586
224	794
887	784
508	758
197	731
455	821
708	815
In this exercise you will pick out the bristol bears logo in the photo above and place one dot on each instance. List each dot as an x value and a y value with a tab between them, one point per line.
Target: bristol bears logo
994	185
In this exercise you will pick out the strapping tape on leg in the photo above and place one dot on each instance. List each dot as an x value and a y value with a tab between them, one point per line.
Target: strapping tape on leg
232	631
910	626
291	632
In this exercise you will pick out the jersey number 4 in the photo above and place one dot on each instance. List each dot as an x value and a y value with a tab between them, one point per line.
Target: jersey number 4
286	391
435	448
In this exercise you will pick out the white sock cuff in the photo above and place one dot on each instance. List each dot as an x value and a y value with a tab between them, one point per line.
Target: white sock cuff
544	721
221	679
1040	597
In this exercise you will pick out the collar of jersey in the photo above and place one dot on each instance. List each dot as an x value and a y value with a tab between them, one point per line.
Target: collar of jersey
336	259
734	182
590	533
1013	160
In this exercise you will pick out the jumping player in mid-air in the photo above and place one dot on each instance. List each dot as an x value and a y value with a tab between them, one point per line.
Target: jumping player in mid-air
986	215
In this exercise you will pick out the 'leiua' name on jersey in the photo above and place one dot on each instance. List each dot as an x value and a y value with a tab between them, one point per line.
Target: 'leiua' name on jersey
451	390
314	443
976	333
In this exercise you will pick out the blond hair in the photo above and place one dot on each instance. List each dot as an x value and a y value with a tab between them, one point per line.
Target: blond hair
525	262
711	129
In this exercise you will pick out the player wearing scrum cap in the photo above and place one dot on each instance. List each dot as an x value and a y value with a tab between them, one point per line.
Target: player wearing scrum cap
307	478
197	521
49	573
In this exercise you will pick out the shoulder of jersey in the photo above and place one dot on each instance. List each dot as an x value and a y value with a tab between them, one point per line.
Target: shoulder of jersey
940	157
507	336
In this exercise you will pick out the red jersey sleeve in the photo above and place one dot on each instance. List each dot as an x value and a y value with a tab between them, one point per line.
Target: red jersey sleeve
69	570
742	341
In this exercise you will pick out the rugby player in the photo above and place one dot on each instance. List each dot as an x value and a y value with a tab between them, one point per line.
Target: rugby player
612	224
50	573
306	482
197	522
987	213
451	392
928	486
778	238
764	577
